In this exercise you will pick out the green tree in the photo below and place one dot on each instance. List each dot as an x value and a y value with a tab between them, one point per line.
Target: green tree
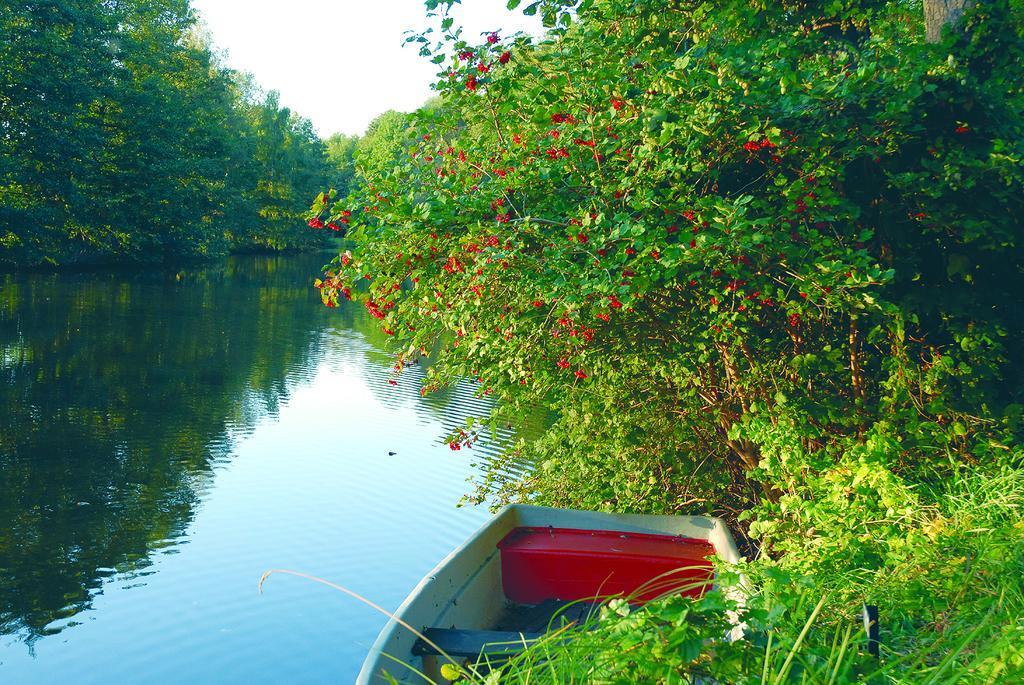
383	144
341	155
56	68
760	259
125	139
572	239
288	158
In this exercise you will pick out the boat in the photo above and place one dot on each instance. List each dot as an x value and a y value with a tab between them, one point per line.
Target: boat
531	566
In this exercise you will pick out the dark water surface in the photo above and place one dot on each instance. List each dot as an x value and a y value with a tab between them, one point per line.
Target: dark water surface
165	437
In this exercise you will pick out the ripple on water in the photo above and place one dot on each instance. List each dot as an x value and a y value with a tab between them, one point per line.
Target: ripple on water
164	457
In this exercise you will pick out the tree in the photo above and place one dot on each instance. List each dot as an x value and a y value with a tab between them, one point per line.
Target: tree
288	158
52	121
124	139
383	143
941	13
759	260
341	155
662	201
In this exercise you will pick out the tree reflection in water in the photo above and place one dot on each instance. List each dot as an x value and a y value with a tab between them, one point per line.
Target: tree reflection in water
119	392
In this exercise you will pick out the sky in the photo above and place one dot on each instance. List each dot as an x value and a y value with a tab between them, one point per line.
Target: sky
340	63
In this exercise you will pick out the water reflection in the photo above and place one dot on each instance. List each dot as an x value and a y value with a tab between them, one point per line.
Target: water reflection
167	436
118	392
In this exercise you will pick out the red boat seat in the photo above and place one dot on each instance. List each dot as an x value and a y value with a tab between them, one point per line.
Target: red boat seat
539	564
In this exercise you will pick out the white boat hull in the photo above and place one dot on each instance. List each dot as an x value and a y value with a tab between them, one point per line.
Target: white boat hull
465	590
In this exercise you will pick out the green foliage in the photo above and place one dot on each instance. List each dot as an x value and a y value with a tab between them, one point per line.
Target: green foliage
663	229
761	260
284	158
950	608
123	139
383	144
341	156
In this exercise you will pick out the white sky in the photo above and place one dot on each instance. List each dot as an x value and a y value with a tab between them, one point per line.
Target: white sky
340	63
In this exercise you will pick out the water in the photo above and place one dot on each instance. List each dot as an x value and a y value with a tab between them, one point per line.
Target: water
166	437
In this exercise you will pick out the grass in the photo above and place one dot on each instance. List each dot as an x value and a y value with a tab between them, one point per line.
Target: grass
952	611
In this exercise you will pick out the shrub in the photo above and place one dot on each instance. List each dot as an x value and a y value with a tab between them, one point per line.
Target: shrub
760	259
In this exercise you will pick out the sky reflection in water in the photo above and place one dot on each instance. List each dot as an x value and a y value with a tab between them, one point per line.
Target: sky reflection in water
168	436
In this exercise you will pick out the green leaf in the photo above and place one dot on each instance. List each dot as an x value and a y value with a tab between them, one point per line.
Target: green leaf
450	671
690	649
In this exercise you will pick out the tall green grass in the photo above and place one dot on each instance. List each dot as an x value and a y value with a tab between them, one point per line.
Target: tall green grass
951	611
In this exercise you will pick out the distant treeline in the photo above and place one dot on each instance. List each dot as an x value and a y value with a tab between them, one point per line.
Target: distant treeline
354	158
122	138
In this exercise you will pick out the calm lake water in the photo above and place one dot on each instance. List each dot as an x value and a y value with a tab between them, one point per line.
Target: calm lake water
167	436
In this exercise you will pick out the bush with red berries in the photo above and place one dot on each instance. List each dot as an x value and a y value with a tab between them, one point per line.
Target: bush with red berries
759	259
671	219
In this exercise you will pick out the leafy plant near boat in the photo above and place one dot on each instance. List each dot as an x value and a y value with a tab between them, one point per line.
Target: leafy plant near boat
762	261
953	618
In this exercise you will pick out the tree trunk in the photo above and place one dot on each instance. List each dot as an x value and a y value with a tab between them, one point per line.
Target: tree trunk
939	13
